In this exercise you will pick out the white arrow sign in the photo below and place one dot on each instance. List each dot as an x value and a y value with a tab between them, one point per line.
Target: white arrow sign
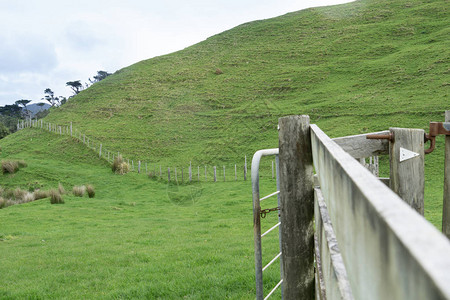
406	154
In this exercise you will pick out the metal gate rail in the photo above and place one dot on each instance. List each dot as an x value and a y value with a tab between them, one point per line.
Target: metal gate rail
259	269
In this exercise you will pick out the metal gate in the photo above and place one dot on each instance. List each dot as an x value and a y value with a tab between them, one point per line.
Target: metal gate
259	213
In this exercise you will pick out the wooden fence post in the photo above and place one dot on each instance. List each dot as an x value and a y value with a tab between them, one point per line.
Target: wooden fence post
139	166
223	173
215	178
296	207
190	171
407	156
446	205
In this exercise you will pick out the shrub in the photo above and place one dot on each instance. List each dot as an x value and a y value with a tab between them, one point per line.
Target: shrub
79	191
119	166
61	189
90	191
55	197
39	194
9	166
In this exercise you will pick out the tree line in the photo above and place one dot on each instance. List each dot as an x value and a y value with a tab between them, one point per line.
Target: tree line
11	114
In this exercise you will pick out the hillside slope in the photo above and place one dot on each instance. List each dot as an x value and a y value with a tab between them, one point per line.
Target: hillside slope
353	68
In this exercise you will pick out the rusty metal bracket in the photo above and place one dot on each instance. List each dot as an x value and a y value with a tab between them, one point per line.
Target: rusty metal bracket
263	212
389	137
436	128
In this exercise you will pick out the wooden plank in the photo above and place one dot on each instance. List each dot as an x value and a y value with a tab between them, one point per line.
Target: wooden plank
296	207
389	251
335	278
359	146
407	176
446	204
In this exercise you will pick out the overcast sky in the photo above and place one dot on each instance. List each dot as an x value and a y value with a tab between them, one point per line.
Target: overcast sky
45	43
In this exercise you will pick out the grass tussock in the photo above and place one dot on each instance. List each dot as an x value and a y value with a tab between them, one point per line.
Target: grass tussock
9	167
61	189
55	197
79	190
90	191
40	194
119	166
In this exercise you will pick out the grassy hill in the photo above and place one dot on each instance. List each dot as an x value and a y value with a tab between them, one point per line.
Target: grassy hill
354	68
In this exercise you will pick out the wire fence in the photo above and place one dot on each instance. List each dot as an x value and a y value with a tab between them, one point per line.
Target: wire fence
172	173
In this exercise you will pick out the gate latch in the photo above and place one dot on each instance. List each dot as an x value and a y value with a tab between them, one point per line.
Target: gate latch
263	212
436	128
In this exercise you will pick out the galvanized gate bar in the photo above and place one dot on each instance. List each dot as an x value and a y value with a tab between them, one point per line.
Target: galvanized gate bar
257	222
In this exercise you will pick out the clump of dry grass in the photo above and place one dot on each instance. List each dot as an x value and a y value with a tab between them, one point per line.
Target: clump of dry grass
3	203
9	166
79	190
119	166
28	197
61	189
40	194
90	191
19	194
55	197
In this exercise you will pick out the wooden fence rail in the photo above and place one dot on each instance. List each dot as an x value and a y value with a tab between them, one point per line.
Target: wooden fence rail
371	241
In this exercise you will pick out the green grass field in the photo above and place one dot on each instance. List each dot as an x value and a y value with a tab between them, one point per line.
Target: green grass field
355	68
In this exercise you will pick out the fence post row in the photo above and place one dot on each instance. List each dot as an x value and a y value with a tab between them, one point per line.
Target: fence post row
66	129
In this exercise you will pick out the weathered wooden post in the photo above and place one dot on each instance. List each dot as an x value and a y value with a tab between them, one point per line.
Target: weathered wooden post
139	166
446	204
296	207
215	178
190	171
407	156
223	173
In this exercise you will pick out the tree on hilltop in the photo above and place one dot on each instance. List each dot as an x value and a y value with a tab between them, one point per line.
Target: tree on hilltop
24	103
50	97
76	86
100	76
